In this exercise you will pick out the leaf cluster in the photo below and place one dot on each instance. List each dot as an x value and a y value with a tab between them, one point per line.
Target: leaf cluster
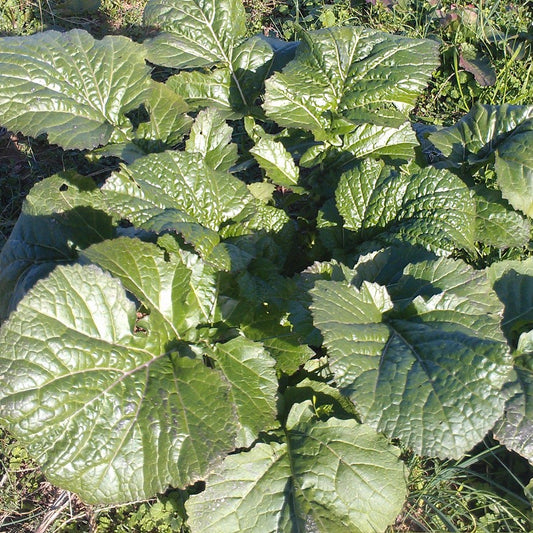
276	282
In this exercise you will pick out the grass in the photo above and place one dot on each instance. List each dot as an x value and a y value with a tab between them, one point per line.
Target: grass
484	491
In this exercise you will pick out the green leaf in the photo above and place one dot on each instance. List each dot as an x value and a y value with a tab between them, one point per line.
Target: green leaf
419	351
206	89
71	86
168	121
513	283
61	215
515	428
340	69
181	181
106	416
194	33
179	294
374	140
514	168
250	371
211	137
276	161
232	89
328	476
496	223
431	207
475	137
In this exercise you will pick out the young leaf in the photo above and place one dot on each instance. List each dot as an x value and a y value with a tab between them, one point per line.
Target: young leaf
168	121
71	86
276	161
206	89
295	485
431	207
421	357
179	295
211	137
107	416
349	68
373	140
249	370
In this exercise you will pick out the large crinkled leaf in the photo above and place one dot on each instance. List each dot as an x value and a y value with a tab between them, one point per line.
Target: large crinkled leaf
421	355
475	137
211	137
62	215
430	207
194	33
249	370
514	168
178	294
181	181
71	86
107	417
349	69
327	476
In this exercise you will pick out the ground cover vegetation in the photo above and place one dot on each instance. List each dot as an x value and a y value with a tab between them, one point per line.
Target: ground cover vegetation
277	257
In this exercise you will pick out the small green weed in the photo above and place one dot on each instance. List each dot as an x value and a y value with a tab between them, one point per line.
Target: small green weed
482	492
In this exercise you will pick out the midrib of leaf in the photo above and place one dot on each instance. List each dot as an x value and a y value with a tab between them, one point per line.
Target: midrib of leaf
183	410
96	87
302	106
345	73
134	420
294	484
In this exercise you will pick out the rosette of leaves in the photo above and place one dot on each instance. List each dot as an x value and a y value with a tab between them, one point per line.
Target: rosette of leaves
120	401
342	77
